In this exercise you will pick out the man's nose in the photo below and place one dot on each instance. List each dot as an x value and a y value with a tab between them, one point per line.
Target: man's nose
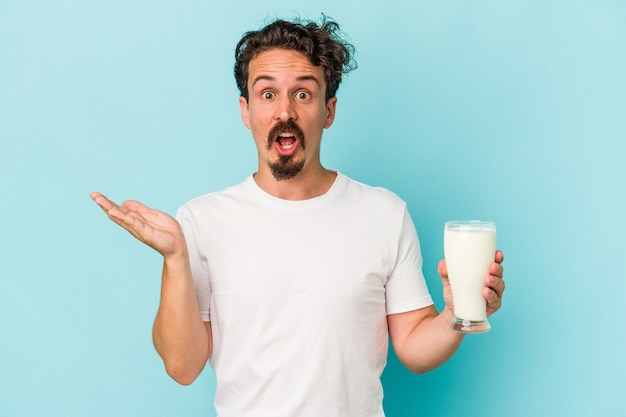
285	109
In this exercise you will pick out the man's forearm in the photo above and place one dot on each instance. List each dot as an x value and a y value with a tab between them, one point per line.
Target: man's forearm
430	344
180	337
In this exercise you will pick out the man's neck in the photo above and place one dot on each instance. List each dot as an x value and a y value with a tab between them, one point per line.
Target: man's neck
303	186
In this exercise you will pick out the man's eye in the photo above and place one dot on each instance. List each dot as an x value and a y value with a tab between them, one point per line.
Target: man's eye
267	95
303	95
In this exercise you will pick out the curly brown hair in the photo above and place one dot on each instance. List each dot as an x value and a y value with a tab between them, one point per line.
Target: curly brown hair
321	44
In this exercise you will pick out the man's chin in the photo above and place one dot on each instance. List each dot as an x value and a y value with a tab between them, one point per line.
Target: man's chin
286	170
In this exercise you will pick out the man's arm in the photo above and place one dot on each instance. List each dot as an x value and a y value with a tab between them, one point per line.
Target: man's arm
180	337
422	339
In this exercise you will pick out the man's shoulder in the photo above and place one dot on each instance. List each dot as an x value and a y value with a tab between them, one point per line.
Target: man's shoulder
234	194
378	194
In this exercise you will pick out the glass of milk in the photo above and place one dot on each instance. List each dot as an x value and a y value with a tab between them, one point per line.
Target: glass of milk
469	249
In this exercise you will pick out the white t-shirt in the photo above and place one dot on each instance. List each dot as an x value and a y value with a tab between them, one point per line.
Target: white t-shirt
298	294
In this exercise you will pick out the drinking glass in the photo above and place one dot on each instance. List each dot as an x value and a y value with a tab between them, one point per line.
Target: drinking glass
469	249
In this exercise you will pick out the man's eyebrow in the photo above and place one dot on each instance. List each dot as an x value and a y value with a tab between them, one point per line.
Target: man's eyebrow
309	78
261	78
301	78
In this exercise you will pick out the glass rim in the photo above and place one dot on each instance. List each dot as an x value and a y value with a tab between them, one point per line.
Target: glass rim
470	224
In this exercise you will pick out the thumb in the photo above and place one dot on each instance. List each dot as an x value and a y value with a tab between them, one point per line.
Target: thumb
443	271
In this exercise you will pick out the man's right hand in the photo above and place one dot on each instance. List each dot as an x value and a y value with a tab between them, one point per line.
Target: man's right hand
155	228
180	337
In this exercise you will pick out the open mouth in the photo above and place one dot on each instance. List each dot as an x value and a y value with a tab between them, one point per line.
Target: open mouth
286	137
286	141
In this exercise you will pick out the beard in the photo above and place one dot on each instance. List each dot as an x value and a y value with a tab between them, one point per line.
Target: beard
287	166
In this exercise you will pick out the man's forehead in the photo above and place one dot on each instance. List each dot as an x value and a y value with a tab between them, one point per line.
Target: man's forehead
280	63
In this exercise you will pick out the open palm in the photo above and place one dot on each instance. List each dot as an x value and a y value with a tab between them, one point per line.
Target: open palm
155	228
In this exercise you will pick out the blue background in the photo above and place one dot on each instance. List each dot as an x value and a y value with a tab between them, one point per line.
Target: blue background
507	110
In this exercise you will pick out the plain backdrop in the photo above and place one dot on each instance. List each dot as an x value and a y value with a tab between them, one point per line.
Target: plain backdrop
513	111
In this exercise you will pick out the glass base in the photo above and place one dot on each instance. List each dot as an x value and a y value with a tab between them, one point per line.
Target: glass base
470	326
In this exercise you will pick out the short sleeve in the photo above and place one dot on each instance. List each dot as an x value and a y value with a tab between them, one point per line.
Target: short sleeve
198	262
406	288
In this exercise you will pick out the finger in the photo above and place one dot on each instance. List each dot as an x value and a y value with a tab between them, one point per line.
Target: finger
135	205
126	217
130	221
494	301
499	256
112	210
442	269
496	269
99	198
495	284
118	214
104	203
135	225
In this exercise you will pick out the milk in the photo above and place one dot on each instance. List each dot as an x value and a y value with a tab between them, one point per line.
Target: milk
469	250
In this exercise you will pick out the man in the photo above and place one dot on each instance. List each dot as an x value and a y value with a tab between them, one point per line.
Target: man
292	281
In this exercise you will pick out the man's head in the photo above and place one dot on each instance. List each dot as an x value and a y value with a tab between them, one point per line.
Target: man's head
321	44
288	74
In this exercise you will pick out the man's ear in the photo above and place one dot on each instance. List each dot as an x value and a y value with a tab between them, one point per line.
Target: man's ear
331	107
245	112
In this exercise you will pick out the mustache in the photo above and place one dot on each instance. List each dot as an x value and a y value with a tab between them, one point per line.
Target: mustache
281	127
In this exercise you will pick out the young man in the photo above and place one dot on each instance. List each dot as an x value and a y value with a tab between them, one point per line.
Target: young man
292	281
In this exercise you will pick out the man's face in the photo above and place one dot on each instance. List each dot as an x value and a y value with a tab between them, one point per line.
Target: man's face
286	111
